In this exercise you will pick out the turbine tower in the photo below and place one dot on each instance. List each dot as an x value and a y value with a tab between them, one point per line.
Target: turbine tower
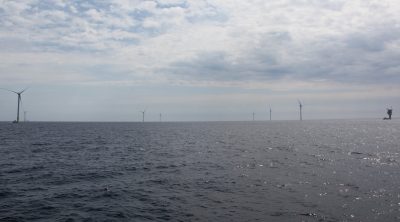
18	101
160	117
253	116
301	106
270	113
143	112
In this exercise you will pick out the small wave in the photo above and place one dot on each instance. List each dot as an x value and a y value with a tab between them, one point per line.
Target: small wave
6	193
41	144
25	169
70	195
355	153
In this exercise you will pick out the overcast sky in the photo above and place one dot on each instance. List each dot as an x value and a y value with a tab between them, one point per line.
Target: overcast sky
199	59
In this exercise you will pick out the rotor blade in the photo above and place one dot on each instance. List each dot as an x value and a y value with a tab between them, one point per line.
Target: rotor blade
9	90
24	90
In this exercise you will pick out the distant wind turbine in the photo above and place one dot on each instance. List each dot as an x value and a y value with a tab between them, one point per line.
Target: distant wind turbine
253	116
301	107
160	117
270	113
143	112
19	101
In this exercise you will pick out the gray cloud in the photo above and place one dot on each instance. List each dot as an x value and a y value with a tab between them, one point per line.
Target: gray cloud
376	39
359	57
216	66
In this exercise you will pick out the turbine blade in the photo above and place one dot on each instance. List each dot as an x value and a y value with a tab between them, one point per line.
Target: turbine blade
24	90
9	90
20	101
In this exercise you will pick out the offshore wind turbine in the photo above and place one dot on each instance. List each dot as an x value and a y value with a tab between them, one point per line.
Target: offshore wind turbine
143	112
19	101
270	113
301	107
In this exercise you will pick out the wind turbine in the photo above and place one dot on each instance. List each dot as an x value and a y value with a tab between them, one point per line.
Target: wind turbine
253	116
270	113
143	112
19	101
301	106
160	117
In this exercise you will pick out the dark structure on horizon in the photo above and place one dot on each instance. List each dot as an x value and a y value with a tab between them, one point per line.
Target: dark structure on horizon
389	112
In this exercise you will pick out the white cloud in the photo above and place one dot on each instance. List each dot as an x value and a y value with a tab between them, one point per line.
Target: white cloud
95	15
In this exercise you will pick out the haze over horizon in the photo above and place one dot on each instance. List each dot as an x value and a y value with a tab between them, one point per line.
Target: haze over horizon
199	60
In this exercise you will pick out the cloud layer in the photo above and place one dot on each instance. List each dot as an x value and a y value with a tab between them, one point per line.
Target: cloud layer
343	41
327	46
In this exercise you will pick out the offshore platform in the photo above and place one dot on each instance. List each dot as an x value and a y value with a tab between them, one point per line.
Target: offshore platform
389	112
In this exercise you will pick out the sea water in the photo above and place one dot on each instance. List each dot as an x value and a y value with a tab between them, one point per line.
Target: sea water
337	170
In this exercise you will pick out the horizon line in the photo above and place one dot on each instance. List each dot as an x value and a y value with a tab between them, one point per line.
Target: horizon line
187	121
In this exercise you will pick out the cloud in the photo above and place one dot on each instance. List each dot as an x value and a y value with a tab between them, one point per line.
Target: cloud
308	40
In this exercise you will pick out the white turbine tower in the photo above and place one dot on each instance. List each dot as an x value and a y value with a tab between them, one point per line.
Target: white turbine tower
18	101
301	107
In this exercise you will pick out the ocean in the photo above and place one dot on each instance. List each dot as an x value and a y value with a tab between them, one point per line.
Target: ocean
328	170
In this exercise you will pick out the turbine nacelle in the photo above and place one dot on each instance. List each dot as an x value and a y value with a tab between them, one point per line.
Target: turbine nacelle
300	104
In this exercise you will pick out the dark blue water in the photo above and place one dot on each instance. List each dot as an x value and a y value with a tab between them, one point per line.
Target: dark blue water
217	171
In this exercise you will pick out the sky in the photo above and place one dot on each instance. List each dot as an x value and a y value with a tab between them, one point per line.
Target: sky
199	60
